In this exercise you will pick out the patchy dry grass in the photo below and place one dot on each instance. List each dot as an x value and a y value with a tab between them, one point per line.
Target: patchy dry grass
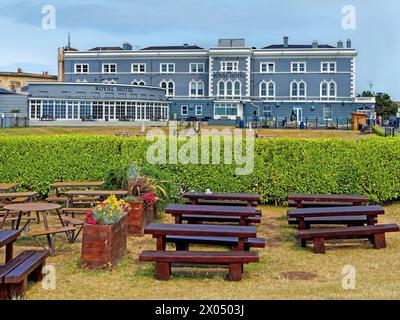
268	133
378	271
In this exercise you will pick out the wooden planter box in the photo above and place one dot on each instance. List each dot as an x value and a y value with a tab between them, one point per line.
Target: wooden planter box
139	217
104	245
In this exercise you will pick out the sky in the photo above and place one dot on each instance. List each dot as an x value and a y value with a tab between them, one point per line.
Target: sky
374	32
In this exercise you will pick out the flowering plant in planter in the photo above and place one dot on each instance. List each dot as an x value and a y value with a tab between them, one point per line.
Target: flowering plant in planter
149	199
107	212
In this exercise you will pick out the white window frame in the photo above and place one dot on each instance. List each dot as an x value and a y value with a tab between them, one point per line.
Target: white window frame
138	65
267	83
167	82
324	112
187	110
298	96
81	65
266	64
298	63
235	66
201	110
138	82
328	63
109	66
328	95
168	64
197	64
196	87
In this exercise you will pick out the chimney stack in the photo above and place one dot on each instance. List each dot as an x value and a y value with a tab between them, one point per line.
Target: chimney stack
19	70
127	46
285	41
340	44
315	44
61	65
348	43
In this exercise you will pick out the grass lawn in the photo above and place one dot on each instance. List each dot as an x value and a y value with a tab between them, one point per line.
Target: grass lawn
270	133
315	276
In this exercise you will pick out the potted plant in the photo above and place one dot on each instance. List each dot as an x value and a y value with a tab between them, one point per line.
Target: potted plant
105	234
142	201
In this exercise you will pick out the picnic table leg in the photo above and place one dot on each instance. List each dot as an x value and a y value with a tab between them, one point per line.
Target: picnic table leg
299	204
4	220
242	221
19	220
240	246
302	226
194	201
161	243
50	242
9	251
371	220
178	219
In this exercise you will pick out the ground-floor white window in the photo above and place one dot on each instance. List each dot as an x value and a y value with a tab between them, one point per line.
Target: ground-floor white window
226	110
100	110
327	112
184	110
199	110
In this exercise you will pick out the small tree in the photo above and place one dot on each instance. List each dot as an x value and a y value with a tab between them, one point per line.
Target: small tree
384	106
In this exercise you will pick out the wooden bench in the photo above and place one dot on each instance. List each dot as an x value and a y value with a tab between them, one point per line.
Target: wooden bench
225	213
15	274
77	223
371	212
350	221
161	230
314	199
222	203
249	198
14	220
74	211
192	218
234	260
182	242
50	233
318	204
377	232
76	200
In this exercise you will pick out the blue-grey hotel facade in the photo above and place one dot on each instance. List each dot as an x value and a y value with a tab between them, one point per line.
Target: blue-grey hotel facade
222	84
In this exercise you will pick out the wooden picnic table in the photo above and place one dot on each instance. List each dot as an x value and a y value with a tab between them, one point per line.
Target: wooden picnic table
44	208
194	197
177	210
8	187
161	230
370	211
7	238
334	199
76	184
101	193
30	195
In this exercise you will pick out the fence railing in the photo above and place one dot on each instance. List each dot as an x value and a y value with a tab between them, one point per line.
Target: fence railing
13	120
316	123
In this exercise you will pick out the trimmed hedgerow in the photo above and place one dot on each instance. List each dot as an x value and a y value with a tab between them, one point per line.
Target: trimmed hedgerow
281	166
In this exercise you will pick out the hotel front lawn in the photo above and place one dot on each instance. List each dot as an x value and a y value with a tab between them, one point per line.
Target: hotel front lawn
285	271
267	133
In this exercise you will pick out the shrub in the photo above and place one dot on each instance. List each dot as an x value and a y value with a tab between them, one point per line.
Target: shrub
369	167
379	131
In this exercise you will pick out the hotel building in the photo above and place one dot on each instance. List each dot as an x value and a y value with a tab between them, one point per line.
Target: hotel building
221	84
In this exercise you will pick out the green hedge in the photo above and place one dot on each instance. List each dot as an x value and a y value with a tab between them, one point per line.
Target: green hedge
368	166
